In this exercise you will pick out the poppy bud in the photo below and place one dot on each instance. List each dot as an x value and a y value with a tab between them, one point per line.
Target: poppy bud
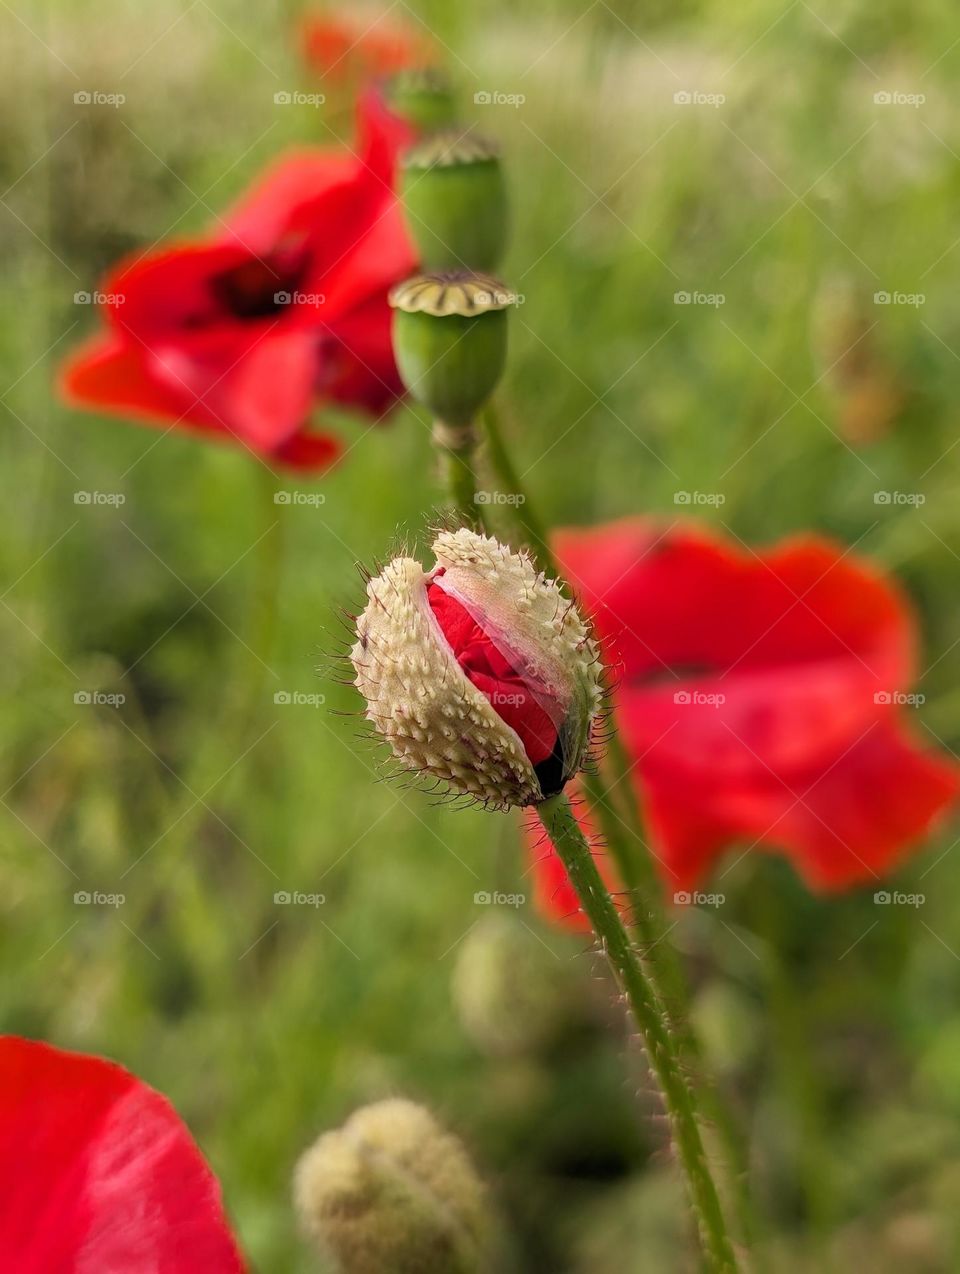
455	199
423	97
511	992
450	340
392	1190
479	672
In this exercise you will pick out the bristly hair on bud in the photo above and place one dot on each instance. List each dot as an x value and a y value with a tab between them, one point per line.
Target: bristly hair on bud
478	672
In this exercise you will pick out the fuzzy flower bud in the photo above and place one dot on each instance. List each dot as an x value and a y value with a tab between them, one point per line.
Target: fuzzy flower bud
450	340
393	1191
455	199
511	992
479	671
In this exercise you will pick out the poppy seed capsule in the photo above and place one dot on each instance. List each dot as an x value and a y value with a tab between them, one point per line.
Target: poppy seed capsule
478	672
424	97
455	200
450	340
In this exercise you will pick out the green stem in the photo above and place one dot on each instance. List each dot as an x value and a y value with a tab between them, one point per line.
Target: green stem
457	447
678	1099
507	476
635	869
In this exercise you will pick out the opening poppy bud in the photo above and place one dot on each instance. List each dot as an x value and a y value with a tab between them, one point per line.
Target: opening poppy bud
393	1190
455	199
450	340
479	671
424	97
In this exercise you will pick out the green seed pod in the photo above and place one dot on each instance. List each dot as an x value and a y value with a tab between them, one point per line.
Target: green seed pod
424	98
450	341
455	200
393	1190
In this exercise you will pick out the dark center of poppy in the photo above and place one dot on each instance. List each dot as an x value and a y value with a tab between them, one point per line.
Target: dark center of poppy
260	287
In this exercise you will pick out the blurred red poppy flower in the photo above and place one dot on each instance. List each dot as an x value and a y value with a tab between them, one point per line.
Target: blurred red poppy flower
98	1175
760	694
345	46
281	308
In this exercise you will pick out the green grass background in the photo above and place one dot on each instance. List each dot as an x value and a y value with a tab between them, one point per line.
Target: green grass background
834	1026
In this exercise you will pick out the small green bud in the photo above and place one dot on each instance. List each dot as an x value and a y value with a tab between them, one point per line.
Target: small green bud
455	199
393	1190
511	992
424	98
450	340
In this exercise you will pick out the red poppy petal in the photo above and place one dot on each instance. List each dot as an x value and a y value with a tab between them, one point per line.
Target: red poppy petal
489	669
358	367
98	1175
751	680
649	587
258	388
340	47
287	199
166	292
113	375
308	451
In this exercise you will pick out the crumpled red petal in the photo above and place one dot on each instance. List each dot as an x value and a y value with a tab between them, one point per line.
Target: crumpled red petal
490	670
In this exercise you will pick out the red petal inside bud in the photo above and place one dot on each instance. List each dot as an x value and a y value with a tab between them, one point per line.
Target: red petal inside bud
488	668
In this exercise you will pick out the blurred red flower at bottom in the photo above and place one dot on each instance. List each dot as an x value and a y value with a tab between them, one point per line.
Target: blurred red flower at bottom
98	1175
761	697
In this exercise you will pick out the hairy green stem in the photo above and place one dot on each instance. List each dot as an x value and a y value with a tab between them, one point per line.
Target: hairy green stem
457	447
678	1098
633	861
506	473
